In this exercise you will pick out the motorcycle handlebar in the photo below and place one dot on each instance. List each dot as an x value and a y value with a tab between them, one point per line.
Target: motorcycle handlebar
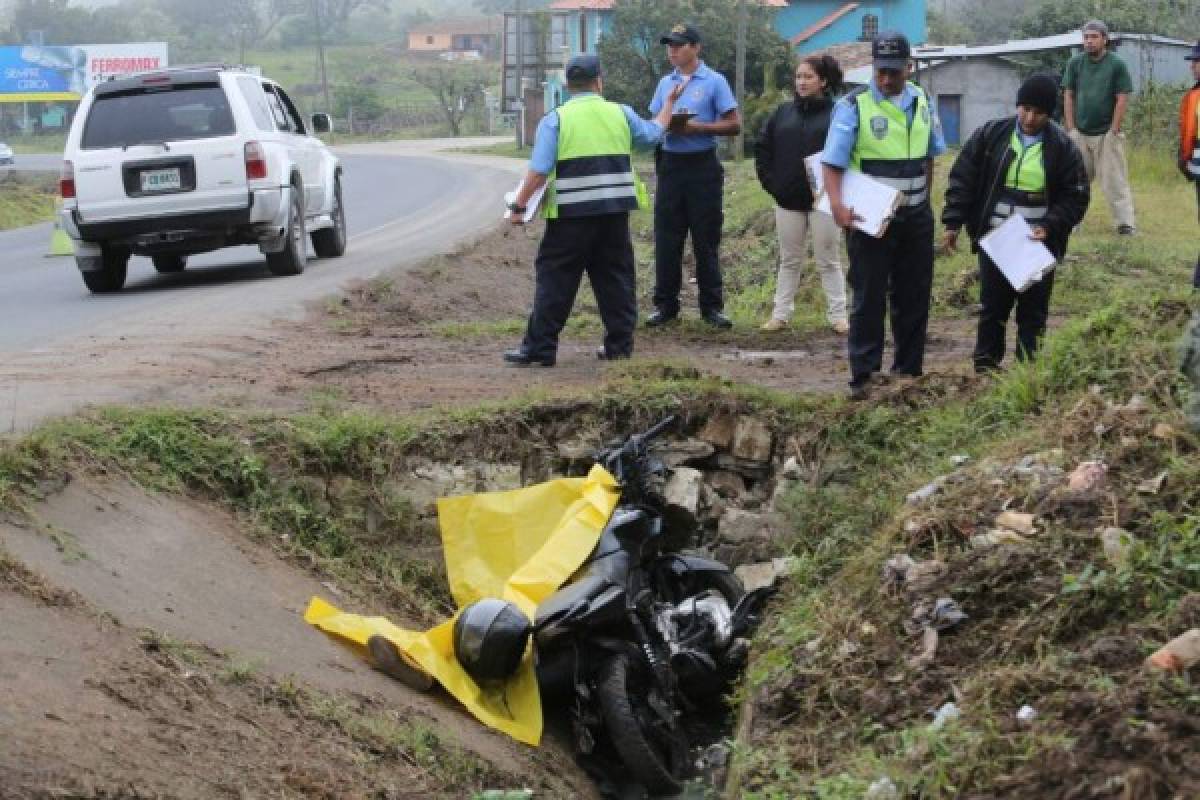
657	430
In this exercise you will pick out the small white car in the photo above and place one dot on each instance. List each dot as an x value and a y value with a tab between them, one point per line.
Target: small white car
6	155
187	160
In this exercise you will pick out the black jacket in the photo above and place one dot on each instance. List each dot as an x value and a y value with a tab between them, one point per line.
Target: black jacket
794	131
977	178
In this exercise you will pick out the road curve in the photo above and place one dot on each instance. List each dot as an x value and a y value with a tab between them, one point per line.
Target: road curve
403	203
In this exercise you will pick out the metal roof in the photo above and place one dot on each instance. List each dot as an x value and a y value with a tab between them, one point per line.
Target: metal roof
1019	46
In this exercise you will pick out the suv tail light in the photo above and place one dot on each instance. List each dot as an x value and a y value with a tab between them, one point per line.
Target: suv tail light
256	161
66	181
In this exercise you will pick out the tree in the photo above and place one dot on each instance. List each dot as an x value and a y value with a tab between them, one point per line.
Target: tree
214	24
457	87
1169	17
634	60
500	6
61	23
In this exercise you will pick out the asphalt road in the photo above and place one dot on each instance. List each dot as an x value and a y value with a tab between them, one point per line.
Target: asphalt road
36	163
404	203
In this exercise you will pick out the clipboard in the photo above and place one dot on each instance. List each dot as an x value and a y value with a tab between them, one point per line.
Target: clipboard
679	119
531	209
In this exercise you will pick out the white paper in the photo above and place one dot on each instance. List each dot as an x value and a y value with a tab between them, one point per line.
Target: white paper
1023	260
531	208
816	175
875	202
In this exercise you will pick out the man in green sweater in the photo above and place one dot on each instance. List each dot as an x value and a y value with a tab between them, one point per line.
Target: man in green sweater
1096	90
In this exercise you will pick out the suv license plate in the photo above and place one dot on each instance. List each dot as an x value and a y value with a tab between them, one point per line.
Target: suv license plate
161	180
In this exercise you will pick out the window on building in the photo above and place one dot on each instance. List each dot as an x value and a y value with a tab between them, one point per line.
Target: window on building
428	40
870	27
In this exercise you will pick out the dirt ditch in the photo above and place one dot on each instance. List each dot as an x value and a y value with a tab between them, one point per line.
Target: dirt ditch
182	624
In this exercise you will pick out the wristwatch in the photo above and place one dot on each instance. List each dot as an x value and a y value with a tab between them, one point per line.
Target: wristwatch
514	208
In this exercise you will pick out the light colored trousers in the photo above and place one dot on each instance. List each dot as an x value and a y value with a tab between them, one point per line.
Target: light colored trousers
1104	158
793	228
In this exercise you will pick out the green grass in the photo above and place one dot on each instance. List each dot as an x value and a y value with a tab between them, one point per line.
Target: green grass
26	200
42	143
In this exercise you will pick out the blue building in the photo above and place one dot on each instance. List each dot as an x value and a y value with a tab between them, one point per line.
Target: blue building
816	24
570	27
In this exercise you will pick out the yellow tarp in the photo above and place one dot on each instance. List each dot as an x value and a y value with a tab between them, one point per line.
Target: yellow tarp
520	545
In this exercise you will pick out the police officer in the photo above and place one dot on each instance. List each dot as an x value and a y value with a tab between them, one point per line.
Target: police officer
887	131
1019	164
690	178
582	151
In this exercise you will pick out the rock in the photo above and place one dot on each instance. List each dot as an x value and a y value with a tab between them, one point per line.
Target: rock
1088	476
763	574
737	526
682	495
1016	521
689	452
744	537
718	430
960	460
728	484
752	440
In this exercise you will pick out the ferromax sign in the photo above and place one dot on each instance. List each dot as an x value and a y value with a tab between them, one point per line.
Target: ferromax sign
46	73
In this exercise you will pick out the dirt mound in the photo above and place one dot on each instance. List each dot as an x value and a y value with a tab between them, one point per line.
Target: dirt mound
263	701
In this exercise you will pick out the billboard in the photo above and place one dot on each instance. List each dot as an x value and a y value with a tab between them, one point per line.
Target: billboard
39	74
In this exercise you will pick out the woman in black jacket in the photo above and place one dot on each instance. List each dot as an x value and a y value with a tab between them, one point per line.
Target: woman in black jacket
794	131
1020	164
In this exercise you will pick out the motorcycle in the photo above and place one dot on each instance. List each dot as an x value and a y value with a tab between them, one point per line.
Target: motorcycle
636	639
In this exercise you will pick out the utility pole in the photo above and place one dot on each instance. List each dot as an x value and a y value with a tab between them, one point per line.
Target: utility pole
321	55
520	76
740	79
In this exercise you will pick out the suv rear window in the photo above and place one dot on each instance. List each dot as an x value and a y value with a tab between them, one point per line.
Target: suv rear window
158	115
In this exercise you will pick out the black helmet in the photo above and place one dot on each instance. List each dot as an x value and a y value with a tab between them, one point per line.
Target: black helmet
489	639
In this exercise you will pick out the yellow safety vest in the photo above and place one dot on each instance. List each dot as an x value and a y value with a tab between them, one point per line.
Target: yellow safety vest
594	172
890	148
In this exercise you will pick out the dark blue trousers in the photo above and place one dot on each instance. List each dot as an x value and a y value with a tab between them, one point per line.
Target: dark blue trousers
893	273
688	200
600	246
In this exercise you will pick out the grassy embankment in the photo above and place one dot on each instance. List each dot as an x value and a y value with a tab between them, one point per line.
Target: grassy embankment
26	199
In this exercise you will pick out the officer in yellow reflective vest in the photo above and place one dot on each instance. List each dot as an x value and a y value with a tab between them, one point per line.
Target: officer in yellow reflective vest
582	153
1019	164
887	131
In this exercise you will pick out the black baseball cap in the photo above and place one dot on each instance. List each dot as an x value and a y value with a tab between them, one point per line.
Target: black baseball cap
890	50
681	34
583	67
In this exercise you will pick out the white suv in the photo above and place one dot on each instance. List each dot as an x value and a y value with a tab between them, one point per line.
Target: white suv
170	163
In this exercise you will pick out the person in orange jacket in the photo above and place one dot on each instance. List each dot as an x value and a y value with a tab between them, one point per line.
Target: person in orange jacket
1189	139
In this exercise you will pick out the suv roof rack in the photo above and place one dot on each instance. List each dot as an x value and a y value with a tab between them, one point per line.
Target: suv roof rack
213	65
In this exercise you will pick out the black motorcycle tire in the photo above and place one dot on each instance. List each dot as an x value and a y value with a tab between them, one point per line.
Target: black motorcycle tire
655	758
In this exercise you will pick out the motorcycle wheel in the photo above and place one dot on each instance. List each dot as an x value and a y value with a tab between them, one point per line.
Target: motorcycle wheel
654	752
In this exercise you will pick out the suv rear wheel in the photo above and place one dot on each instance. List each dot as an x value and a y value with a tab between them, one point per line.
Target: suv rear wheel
110	277
169	262
331	242
294	255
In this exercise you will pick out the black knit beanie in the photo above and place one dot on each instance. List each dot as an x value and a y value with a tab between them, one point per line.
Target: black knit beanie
1039	91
